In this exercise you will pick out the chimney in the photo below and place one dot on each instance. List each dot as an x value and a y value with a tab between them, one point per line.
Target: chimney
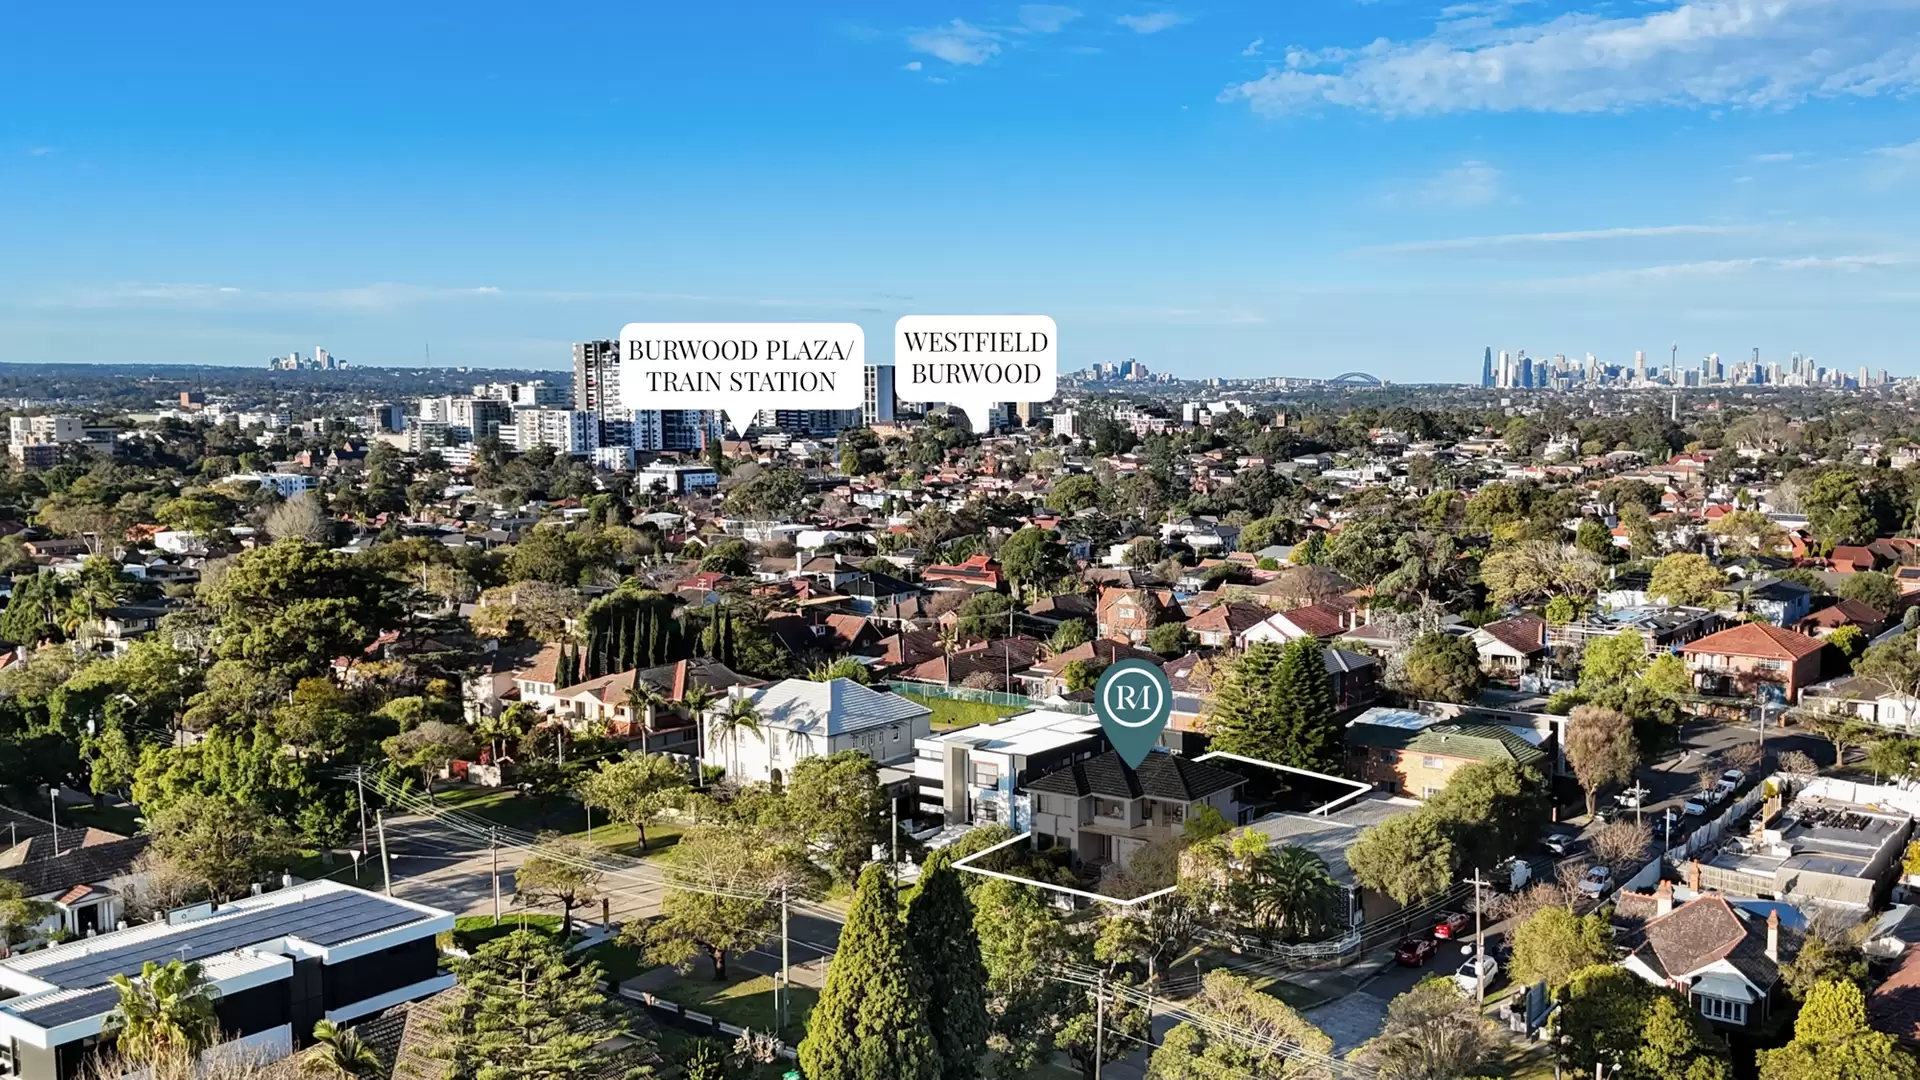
1773	935
1663	899
1693	875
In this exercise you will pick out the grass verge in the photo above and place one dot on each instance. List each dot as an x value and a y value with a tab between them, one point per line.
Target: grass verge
949	714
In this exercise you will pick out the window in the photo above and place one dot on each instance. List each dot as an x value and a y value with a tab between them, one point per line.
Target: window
1429	762
984	774
1429	792
1728	1012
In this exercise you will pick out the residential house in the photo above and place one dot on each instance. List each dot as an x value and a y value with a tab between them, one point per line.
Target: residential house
277	963
1412	754
1130	614
1326	621
535	684
1778	601
1871	698
1754	660
977	774
989	665
1220	626
799	719
1824	622
978	570
641	704
1509	646
1103	811
85	874
1724	960
1047	677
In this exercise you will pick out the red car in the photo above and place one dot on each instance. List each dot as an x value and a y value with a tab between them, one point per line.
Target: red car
1453	925
1415	952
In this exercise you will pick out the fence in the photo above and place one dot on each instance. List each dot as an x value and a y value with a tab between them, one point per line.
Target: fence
697	1020
1708	835
987	697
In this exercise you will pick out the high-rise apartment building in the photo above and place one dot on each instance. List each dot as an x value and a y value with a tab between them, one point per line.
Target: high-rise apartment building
878	406
1486	368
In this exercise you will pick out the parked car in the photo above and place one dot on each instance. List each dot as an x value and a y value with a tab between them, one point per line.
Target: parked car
1476	973
1630	798
1609	813
1597	881
1453	924
1559	843
1723	789
1696	806
1415	952
1736	777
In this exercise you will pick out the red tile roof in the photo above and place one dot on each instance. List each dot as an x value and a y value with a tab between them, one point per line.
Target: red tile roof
1763	640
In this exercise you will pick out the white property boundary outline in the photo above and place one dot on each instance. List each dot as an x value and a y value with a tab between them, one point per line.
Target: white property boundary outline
1360	788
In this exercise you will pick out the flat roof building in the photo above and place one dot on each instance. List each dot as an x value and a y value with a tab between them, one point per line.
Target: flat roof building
279	962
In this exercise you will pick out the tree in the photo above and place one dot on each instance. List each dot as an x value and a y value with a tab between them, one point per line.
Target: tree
1849	642
729	556
29	613
1667	677
1831	1041
1618	842
227	845
1285	892
19	915
1531	571
1612	661
1686	578
725	725
1274	703
299	518
837	802
559	871
1490	809
636	788
164	1016
1259	1024
733	877
1442	667
1409	858
530	1013
1600	749
1750	531
1676	1044
871	1021
1032	557
288	609
1433	1032
1553	943
427	747
945	954
339	1054
1080	675
1874	589
536	609
1824	957
1170	639
1074	493
1071	635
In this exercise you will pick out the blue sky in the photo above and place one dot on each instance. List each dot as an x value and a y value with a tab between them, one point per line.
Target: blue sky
1217	189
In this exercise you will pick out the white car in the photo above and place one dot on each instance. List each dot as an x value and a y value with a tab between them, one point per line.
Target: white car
1476	973
1736	777
1597	881
1723	789
1629	798
1695	807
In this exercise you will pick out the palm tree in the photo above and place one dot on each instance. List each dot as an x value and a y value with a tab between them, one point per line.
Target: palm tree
165	1014
340	1053
644	698
1294	894
739	713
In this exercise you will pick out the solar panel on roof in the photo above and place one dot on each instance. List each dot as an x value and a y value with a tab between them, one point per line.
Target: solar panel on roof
328	920
67	1010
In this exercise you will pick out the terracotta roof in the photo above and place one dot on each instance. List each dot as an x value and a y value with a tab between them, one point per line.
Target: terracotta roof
1232	617
1894	1006
544	668
1320	620
1763	640
1844	613
1099	650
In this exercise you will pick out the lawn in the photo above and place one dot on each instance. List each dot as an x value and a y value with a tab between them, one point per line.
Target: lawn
472	931
746	1001
618	962
508	808
949	714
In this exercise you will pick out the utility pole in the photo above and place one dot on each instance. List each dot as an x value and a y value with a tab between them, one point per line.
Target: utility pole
53	800
386	868
360	781
1099	1022
1479	940
785	1005
493	852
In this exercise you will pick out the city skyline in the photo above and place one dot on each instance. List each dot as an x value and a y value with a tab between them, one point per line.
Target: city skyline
1225	191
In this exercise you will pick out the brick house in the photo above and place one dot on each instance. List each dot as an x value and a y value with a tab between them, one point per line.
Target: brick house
1128	614
1104	812
1220	626
1420	762
1754	658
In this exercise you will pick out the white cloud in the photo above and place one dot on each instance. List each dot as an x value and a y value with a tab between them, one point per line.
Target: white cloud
1253	47
39	151
380	296
1724	268
1511	240
1703	53
1770	159
957	43
911	65
1471	183
1152	23
1903	152
1046	18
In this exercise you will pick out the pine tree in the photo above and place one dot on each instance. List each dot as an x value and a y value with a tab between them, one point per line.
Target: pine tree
871	1021
1305	706
530	1014
945	952
1242	720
